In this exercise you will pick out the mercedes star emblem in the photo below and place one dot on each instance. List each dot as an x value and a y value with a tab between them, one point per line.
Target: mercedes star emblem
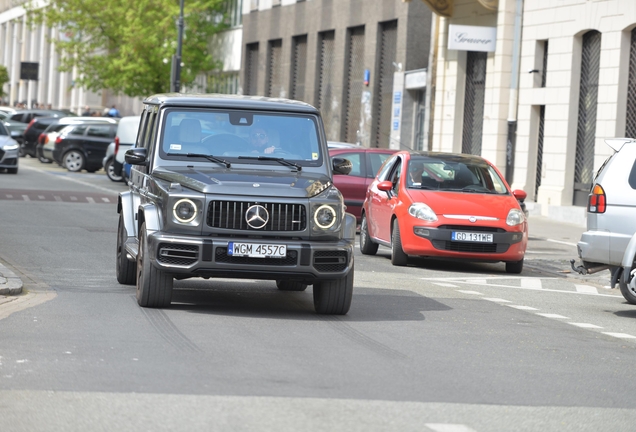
257	216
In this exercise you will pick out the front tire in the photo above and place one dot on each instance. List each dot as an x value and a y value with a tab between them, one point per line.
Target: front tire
286	285
333	297
367	247
110	171
514	267
74	160
628	290
125	269
154	287
398	257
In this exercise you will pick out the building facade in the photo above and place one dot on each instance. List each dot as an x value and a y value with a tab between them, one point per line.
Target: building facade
361	62
560	80
577	88
49	87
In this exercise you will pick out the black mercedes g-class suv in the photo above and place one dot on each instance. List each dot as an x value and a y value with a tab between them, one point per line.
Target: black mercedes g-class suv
238	187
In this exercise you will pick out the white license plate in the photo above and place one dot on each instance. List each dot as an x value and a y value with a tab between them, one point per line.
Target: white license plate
471	237
256	250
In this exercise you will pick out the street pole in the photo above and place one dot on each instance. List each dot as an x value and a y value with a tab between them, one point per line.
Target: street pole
176	59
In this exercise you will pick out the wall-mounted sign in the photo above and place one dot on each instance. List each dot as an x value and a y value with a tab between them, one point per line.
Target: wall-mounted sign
29	71
414	80
472	38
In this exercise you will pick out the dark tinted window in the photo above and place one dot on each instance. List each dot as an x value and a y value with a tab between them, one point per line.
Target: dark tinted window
3	130
78	130
632	176
377	159
100	131
17	117
356	162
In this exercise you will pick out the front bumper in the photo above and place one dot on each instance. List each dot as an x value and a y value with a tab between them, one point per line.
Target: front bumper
9	158
185	256
437	242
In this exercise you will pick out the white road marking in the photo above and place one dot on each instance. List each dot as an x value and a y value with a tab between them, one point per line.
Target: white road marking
26	198
620	335
57	198
9	196
531	283
448	427
551	315
445	284
469	292
73	198
90	200
586	289
41	197
105	199
585	325
480	281
562	242
497	300
528	308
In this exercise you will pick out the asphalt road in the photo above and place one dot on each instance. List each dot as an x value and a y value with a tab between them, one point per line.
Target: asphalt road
431	347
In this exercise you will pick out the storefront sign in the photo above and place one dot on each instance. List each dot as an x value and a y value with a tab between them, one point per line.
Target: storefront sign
472	38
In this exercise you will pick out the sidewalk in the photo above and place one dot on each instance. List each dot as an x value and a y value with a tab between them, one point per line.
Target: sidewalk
10	284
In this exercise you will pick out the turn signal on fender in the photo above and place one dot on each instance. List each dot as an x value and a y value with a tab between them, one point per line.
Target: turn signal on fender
597	201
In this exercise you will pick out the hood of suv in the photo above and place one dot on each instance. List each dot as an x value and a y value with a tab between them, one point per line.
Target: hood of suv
235	181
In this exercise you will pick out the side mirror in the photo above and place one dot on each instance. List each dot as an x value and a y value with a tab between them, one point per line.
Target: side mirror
136	156
385	186
341	165
519	194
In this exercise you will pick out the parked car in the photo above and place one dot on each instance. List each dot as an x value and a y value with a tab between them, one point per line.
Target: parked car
26	115
338	144
444	206
236	187
365	164
82	146
124	140
46	140
9	151
610	242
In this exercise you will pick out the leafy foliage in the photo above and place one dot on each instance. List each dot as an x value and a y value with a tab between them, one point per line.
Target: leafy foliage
4	78
127	45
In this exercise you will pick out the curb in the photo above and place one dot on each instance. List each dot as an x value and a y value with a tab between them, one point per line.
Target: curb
10	284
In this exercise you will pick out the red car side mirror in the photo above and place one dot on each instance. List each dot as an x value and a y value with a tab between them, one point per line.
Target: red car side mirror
519	194
385	186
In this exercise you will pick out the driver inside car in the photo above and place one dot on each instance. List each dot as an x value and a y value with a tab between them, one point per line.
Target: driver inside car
260	142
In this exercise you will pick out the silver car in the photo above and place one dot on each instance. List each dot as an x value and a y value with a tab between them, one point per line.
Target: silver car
9	151
610	242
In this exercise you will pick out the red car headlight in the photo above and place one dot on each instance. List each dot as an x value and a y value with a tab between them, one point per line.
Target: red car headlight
515	217
422	211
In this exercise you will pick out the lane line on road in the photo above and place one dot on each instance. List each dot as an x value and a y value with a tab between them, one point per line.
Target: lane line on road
620	335
585	325
469	292
561	242
497	300
585	289
520	307
551	315
448	427
531	283
443	284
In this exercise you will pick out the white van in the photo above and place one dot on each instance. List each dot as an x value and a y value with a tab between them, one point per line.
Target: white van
125	138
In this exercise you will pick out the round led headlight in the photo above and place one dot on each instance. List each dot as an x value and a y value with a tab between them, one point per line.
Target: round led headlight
325	216
184	210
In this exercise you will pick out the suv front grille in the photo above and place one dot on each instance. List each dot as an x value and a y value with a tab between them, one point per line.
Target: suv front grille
177	254
221	256
330	261
231	215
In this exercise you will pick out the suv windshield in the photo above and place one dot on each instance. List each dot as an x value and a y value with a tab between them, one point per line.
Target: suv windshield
237	134
433	173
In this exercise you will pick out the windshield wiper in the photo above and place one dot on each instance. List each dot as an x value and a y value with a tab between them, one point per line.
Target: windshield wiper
208	157
269	158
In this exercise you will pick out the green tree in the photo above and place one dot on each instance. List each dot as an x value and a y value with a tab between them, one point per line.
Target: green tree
4	78
127	45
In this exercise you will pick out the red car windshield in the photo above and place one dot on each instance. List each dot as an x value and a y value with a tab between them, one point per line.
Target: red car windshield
431	173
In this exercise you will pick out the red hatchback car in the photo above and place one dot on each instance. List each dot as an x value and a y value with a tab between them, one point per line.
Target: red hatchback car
444	205
365	164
